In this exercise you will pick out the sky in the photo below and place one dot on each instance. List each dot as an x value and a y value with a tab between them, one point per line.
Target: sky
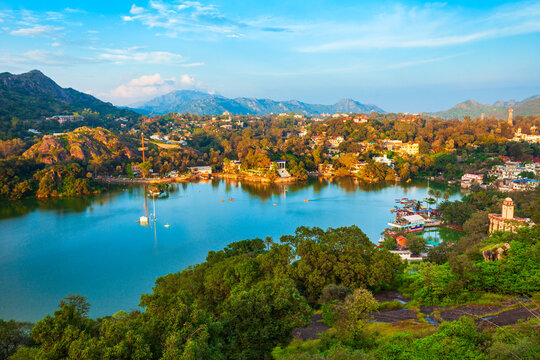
403	56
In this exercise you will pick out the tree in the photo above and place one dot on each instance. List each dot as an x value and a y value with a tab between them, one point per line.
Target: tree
446	195
55	334
13	335
342	256
268	242
416	244
437	195
257	320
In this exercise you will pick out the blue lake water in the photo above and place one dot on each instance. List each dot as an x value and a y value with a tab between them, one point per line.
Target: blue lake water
95	247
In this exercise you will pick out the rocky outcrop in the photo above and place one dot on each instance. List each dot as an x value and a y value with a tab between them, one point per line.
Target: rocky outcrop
83	144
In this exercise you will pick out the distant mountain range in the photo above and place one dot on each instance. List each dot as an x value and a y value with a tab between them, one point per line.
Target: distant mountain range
197	102
32	96
499	109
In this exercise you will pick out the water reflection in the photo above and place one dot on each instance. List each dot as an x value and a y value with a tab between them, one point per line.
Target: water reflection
17	208
263	191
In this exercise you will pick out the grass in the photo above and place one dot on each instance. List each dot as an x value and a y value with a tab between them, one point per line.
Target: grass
419	329
488	299
390	305
296	346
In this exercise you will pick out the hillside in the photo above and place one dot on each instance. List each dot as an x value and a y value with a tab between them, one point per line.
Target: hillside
83	144
499	109
33	96
197	102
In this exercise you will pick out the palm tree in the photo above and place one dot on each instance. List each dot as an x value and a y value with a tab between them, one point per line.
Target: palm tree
268	242
446	194
437	195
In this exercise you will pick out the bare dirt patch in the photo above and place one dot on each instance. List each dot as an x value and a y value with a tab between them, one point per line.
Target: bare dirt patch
392	316
510	317
312	331
390	295
468	310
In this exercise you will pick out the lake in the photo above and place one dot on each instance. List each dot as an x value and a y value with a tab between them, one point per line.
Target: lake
94	246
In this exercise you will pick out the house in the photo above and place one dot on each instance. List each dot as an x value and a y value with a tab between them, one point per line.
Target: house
362	119
201	170
326	168
468	180
65	118
407	255
384	160
392	145
335	142
398	146
524	184
410	149
231	166
280	167
519	136
358	165
512	169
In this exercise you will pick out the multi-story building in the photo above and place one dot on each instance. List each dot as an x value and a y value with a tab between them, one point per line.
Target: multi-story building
468	180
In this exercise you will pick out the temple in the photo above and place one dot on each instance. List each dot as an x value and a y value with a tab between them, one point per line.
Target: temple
507	221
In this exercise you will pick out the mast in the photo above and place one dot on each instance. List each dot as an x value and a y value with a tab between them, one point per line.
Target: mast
142	148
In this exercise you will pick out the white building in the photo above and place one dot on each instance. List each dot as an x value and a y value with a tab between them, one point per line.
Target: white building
201	170
384	160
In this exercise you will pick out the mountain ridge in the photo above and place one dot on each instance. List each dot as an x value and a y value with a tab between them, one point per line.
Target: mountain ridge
201	103
499	109
33	96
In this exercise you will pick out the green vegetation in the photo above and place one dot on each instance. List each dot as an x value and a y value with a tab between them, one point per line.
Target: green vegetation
244	301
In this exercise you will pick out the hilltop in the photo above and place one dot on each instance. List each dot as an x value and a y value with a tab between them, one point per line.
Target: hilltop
197	102
33	96
499	109
83	144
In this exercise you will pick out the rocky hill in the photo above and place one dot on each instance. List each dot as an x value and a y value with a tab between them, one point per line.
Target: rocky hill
527	107
33	96
81	144
197	102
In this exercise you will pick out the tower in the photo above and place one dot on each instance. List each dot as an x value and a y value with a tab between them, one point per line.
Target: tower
510	121
508	209
482	116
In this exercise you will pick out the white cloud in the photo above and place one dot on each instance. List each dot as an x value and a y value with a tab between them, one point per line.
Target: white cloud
428	26
43	57
37	30
195	18
135	10
147	87
187	80
137	55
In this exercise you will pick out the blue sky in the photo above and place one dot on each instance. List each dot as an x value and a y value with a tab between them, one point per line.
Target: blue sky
405	56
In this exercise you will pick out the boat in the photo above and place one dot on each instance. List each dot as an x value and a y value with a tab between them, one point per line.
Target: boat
143	220
154	191
167	225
